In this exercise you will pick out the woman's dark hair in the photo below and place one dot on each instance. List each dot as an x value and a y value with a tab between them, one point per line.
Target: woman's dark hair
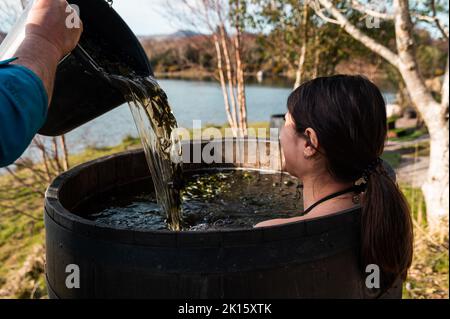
348	114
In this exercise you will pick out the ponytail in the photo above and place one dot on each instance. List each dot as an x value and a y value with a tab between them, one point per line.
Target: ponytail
386	228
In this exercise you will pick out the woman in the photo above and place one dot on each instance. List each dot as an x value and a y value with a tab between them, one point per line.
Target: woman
334	134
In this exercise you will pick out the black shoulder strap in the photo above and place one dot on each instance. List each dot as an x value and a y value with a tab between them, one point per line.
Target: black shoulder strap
345	191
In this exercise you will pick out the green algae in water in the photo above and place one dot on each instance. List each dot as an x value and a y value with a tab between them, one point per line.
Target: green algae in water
155	123
212	200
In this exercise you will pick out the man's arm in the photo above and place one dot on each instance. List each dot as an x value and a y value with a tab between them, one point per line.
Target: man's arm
48	39
41	58
26	84
23	108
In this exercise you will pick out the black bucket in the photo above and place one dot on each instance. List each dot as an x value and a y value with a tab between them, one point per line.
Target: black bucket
81	93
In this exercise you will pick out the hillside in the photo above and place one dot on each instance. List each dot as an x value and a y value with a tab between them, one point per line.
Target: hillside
176	35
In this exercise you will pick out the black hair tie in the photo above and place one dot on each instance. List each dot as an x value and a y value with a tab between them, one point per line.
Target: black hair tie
369	170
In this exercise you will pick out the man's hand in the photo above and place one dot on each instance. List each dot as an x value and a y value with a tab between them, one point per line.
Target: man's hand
48	38
48	20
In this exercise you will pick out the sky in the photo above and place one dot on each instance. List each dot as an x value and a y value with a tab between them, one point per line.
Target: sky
148	17
145	17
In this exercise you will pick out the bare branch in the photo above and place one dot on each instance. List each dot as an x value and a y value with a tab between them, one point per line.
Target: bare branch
376	14
56	155
65	152
319	11
4	207
40	145
22	182
437	21
29	165
369	42
357	5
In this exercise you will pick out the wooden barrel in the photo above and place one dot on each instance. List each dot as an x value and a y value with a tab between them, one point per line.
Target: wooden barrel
311	259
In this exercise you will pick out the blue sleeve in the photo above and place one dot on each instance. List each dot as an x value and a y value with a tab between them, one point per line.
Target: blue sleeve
23	109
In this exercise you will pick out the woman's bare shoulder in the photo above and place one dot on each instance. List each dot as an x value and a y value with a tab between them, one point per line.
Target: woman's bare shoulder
316	214
279	221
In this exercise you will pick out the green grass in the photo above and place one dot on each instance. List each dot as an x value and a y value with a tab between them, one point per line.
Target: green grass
407	134
91	153
428	276
416	201
21	225
420	149
391	120
392	158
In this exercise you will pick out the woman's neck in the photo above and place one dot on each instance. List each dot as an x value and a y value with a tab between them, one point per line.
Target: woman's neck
317	187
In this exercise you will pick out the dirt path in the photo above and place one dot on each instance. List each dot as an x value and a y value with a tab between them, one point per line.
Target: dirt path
396	145
411	171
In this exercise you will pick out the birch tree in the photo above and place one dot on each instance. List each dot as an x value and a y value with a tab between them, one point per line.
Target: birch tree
297	44
302	58
434	111
224	20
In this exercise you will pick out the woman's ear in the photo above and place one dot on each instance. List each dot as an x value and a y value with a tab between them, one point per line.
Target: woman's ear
312	143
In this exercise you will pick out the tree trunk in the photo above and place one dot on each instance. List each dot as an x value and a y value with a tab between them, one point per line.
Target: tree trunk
56	155
301	61
240	79
65	152
434	115
226	53
357	34
222	82
316	55
436	187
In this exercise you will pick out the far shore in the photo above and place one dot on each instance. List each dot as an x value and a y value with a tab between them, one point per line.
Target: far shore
251	78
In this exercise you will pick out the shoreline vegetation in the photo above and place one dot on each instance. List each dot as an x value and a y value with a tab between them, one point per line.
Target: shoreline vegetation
191	56
22	227
199	74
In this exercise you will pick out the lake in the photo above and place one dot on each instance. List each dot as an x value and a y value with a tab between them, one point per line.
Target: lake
190	100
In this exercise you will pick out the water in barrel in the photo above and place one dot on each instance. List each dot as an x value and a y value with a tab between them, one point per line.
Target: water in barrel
155	123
